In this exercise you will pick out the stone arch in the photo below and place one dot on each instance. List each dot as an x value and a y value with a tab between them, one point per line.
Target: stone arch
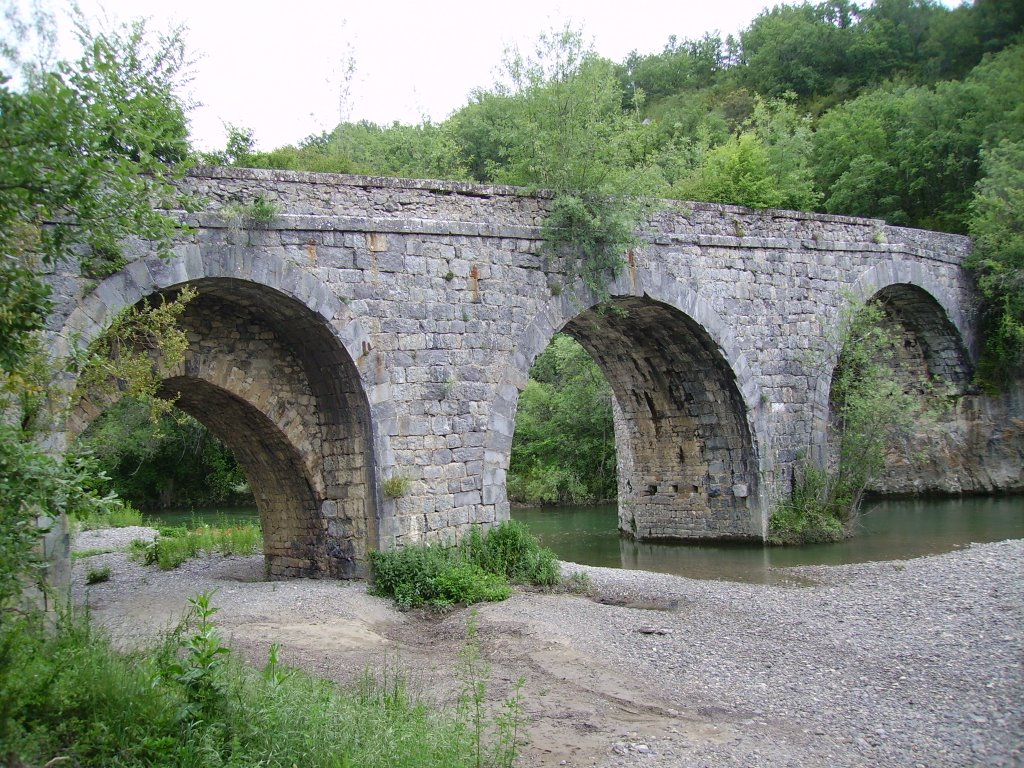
285	493
688	423
938	316
271	370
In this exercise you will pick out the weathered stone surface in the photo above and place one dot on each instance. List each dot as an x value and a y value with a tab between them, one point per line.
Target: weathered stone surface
975	446
380	328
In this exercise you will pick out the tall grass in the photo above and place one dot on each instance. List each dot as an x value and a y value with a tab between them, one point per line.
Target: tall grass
116	515
478	569
173	546
70	696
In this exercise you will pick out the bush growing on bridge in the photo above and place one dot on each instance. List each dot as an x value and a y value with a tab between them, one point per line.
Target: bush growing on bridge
872	413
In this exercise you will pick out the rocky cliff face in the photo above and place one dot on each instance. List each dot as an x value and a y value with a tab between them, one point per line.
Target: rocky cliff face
977	446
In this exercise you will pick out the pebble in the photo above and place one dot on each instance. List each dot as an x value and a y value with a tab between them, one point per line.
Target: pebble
869	665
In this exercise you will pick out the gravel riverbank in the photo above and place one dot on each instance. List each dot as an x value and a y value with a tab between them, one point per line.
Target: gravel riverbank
911	663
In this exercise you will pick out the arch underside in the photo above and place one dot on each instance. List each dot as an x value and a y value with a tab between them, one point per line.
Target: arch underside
929	360
270	380
686	463
288	506
928	345
316	499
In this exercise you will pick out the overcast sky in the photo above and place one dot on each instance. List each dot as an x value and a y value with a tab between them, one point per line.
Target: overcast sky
277	67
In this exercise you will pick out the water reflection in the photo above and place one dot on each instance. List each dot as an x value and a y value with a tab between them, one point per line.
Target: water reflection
889	530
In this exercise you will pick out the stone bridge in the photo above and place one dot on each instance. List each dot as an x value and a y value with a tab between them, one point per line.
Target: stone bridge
380	328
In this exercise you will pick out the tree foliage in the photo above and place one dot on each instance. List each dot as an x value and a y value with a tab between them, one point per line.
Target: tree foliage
564	130
871	414
427	150
88	151
767	165
911	155
997	224
129	357
36	487
172	462
563	450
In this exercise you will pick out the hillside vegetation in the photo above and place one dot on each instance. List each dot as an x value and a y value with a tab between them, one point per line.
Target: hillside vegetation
903	110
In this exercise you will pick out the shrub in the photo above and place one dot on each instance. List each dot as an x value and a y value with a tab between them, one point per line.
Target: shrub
477	570
427	575
510	550
395	487
97	575
579	583
810	515
464	582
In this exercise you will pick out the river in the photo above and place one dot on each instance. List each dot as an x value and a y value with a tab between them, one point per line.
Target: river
888	530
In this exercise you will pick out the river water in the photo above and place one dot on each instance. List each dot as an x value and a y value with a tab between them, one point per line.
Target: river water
889	530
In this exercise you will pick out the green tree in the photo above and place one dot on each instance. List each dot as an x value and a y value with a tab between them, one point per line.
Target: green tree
87	152
563	450
892	38
912	155
427	150
768	165
682	65
997	225
564	130
477	129
172	462
802	49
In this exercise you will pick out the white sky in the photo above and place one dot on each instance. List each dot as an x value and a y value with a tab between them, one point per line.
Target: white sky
276	67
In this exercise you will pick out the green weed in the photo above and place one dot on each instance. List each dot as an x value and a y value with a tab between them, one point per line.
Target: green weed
477	570
510	550
97	575
259	211
395	487
579	583
494	740
118	514
69	696
175	545
81	554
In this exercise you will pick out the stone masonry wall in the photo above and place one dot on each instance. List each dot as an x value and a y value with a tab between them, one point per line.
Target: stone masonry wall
438	296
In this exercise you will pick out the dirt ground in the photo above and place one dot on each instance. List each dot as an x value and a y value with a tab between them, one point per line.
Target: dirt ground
878	664
578	704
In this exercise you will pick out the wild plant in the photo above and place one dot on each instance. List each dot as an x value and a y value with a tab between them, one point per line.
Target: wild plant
198	669
98	575
505	732
275	673
173	546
